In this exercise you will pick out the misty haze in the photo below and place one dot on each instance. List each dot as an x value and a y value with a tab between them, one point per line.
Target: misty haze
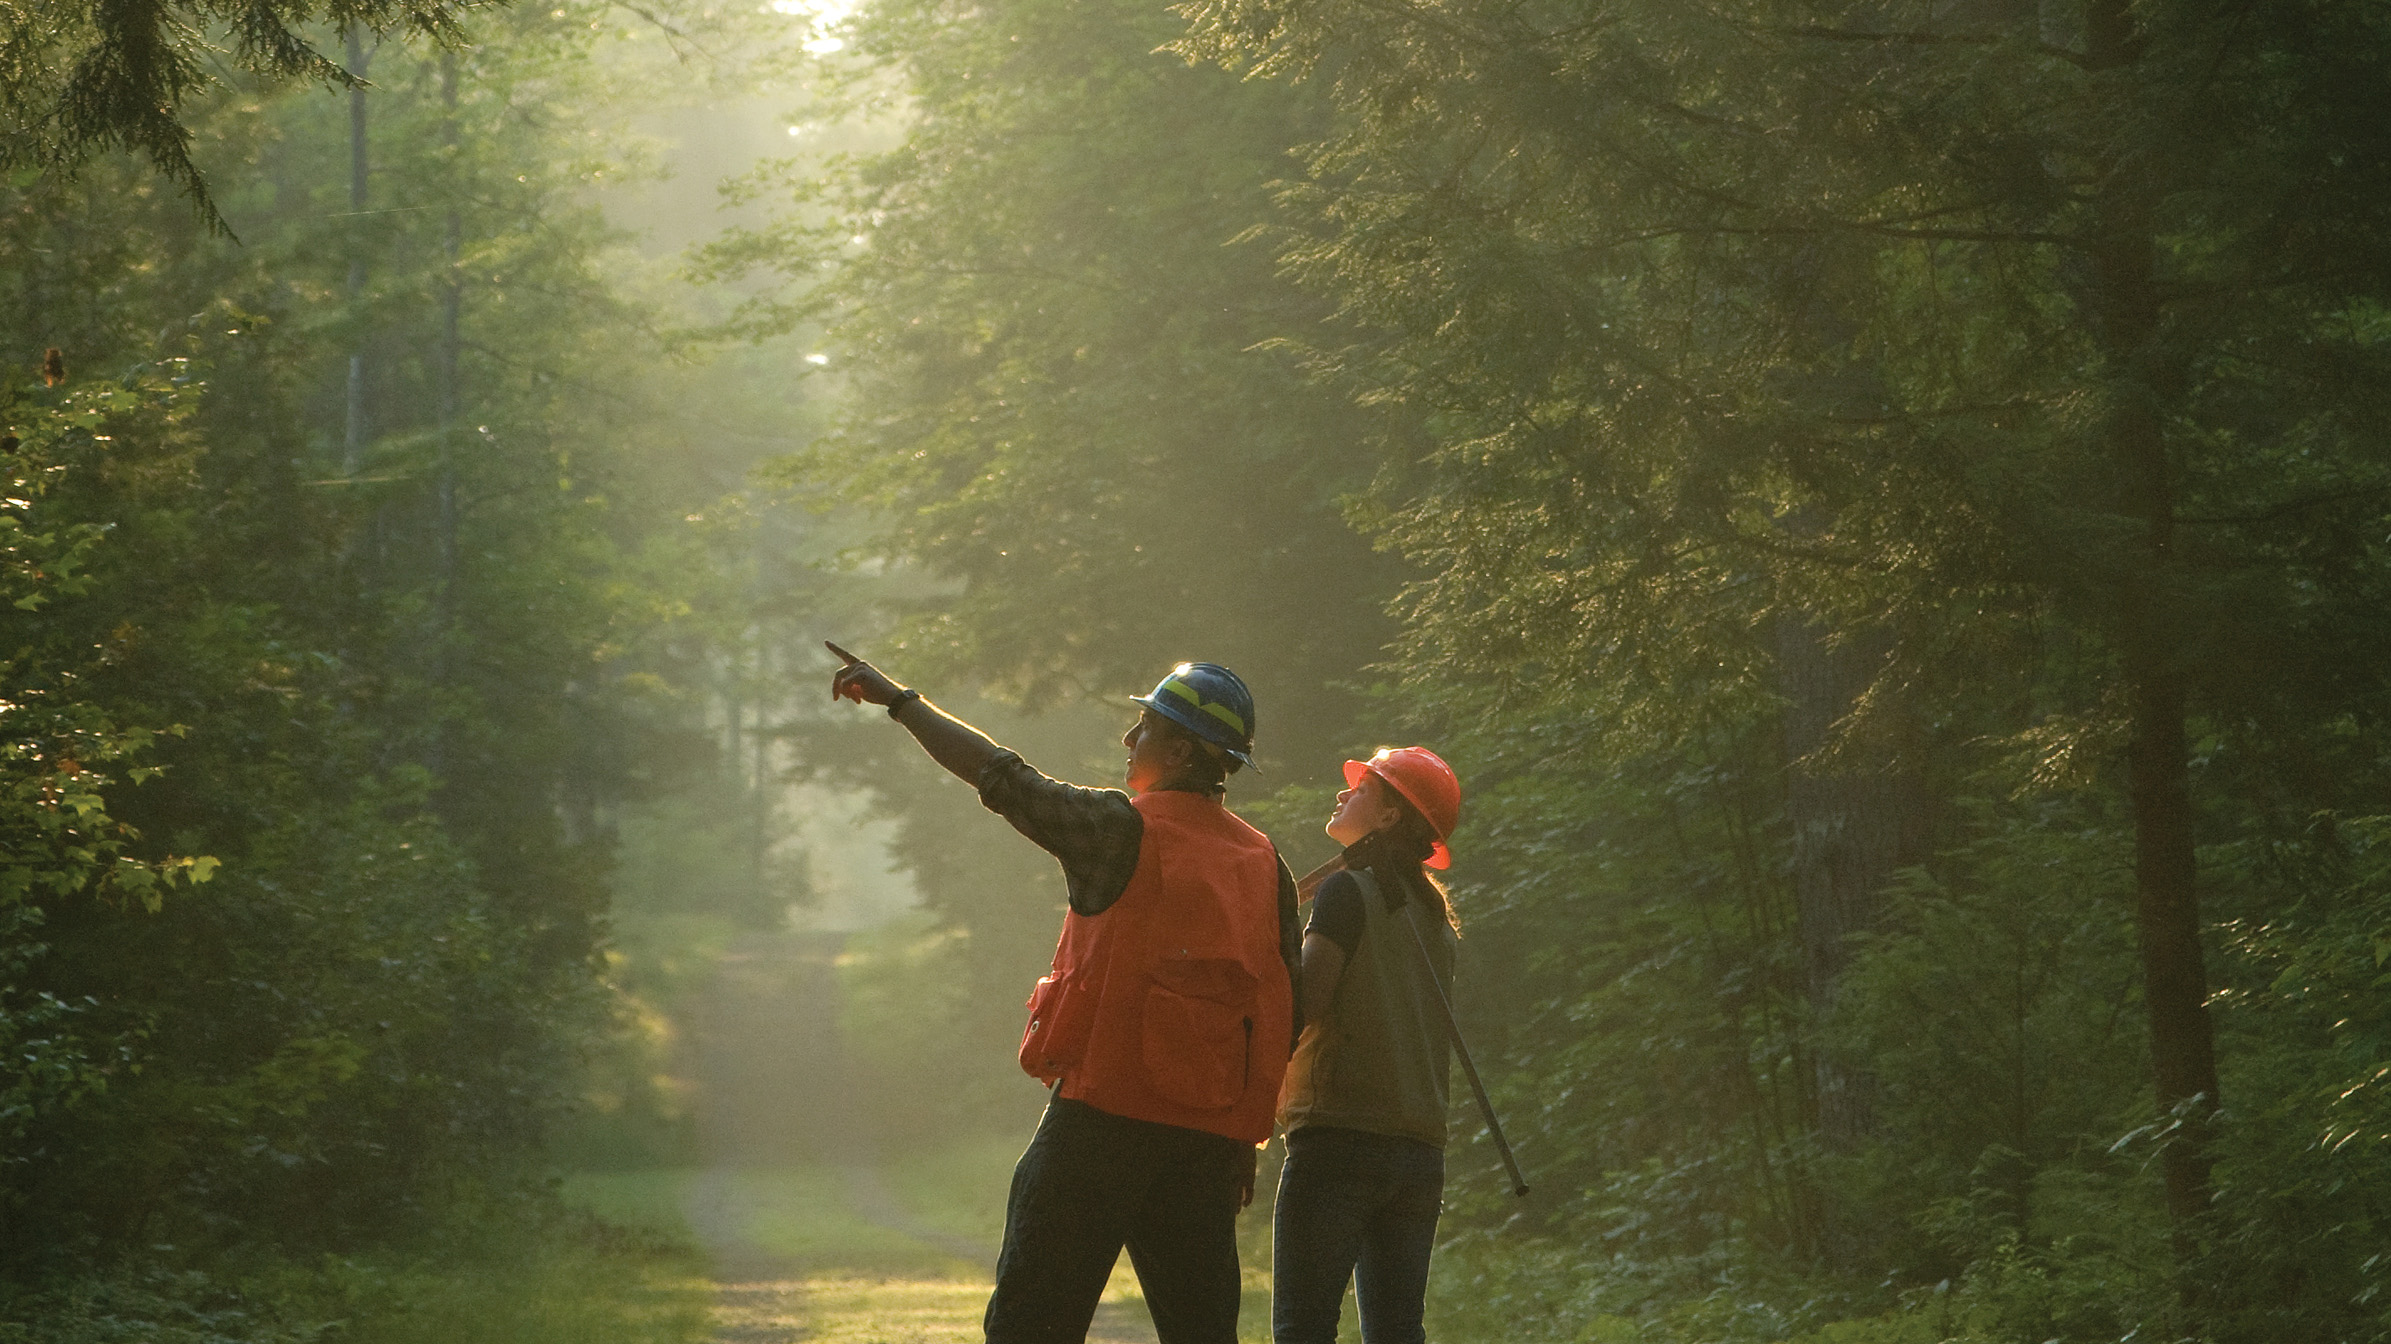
1592	672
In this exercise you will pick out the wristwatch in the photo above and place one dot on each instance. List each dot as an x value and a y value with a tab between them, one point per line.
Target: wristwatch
904	697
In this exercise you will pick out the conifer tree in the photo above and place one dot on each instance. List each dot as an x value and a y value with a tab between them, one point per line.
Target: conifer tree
76	80
1056	341
1975	329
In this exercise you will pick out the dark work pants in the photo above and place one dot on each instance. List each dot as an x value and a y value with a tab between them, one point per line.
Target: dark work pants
1353	1206
1091	1183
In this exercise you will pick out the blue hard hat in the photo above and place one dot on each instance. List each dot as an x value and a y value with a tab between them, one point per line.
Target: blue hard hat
1209	701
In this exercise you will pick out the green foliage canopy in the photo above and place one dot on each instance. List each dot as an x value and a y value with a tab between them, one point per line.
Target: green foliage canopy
1052	335
76	80
1724	311
395	692
2029	355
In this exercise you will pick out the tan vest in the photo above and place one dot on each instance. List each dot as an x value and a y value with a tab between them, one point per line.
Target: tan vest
1378	1063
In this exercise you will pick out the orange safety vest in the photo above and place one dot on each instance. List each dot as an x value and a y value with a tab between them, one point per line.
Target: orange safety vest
1174	1004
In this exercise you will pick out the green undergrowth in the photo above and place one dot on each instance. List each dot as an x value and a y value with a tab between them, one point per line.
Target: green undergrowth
1495	1288
558	1278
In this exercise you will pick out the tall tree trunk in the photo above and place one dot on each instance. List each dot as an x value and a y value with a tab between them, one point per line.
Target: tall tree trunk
734	711
352	442
1854	824
2167	909
759	783
448	398
452	309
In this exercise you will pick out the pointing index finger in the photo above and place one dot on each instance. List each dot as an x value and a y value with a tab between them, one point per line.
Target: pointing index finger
843	656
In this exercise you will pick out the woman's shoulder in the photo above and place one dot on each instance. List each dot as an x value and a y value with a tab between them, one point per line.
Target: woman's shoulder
1337	911
1341	888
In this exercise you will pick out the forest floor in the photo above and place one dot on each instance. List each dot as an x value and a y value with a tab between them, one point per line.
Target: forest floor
811	1235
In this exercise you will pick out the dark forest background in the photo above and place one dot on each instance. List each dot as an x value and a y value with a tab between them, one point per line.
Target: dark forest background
1884	504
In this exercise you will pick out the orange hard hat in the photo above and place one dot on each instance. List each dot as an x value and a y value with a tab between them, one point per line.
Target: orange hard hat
1425	782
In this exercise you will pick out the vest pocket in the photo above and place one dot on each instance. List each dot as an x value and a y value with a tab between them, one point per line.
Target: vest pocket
1198	1032
1057	1034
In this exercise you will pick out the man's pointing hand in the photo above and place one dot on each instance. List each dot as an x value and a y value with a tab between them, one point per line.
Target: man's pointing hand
859	681
962	749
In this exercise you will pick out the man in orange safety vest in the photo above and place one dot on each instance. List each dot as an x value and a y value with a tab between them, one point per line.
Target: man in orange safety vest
1166	1023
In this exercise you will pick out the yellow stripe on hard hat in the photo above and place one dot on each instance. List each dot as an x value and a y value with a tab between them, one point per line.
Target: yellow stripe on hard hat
1194	697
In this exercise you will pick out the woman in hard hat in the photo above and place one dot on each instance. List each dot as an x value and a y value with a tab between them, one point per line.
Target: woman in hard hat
1364	1102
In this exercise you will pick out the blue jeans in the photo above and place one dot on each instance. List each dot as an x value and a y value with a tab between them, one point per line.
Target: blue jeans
1353	1206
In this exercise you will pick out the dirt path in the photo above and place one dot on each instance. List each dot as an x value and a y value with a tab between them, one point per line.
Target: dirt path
772	1084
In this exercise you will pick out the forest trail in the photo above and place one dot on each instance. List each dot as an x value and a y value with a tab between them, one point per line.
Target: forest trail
806	1235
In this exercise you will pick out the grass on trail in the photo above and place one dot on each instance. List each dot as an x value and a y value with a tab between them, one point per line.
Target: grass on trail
828	1309
851	1281
566	1293
798	1217
959	1188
